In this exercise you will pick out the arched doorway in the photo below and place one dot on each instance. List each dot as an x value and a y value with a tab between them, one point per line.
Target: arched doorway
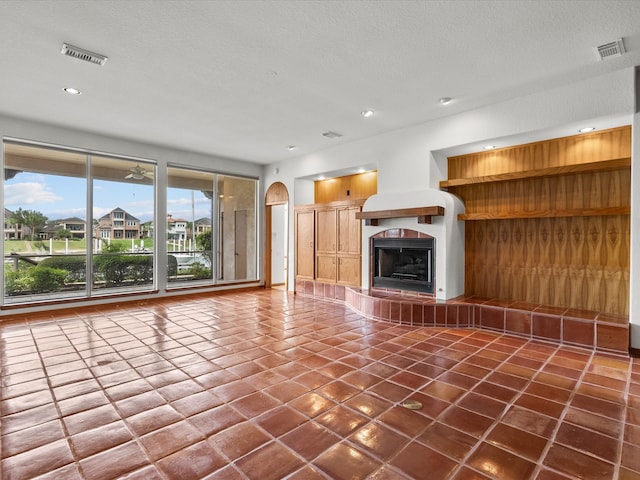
276	245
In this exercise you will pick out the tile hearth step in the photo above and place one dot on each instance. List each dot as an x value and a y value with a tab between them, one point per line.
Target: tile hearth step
587	329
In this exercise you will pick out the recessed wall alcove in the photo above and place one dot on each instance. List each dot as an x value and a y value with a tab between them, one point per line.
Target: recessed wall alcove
549	222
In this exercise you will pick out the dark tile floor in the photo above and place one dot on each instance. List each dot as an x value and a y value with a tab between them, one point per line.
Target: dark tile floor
265	385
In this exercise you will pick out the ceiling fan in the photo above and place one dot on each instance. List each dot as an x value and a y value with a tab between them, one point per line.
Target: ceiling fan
139	173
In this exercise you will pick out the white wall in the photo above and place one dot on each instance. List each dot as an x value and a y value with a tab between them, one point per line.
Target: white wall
447	231
414	158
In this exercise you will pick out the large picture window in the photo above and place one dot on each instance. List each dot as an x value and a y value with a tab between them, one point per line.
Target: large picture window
45	223
211	227
74	224
237	240
190	245
123	201
79	224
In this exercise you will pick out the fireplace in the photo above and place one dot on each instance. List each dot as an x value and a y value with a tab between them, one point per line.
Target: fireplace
404	264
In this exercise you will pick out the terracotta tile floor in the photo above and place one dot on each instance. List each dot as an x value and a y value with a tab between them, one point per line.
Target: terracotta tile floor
265	385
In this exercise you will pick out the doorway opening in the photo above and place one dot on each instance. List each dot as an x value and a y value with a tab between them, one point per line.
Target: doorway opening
276	265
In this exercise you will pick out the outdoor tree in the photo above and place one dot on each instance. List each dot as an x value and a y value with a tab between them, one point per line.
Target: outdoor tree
64	233
32	219
203	241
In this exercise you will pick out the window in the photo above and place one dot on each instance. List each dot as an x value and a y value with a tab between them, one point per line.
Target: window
78	224
237	232
190	254
125	260
62	237
43	186
211	227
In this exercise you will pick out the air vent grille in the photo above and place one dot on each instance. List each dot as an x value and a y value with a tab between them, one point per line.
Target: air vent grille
82	54
331	134
609	50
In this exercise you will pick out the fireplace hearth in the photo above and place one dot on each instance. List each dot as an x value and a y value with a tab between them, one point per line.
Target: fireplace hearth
404	264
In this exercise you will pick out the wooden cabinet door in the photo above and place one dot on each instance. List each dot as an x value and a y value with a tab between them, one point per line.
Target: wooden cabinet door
349	270
326	234
326	267
349	231
305	252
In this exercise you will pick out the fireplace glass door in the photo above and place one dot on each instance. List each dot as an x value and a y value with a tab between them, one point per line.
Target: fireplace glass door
404	264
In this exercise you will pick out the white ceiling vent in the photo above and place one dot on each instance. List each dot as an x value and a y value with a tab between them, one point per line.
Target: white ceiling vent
331	134
82	54
609	50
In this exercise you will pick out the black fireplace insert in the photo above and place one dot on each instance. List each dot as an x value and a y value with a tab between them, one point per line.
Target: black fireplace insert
404	264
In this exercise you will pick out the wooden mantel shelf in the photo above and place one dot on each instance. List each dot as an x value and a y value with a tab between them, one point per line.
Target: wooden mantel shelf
424	214
571	212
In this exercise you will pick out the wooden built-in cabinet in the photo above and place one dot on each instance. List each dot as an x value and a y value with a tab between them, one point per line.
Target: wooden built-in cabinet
548	222
305	242
349	230
336	245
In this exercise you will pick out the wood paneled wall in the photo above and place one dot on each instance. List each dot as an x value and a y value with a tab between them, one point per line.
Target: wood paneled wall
576	262
578	149
559	240
349	187
577	194
277	194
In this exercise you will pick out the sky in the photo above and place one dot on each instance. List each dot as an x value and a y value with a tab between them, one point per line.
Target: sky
59	197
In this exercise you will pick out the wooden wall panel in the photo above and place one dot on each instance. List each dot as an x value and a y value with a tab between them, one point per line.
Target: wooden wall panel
554	237
577	262
350	187
548	194
277	194
363	185
585	148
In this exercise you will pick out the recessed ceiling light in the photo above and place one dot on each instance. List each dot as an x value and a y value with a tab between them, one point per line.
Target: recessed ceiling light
361	170
321	177
291	147
445	100
587	129
72	91
489	147
367	113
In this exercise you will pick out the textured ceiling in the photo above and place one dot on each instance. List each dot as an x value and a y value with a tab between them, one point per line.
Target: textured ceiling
245	79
